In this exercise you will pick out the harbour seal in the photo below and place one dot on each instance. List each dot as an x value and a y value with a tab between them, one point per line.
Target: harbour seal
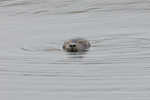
77	44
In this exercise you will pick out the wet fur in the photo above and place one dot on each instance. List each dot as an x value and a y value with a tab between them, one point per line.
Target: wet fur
81	44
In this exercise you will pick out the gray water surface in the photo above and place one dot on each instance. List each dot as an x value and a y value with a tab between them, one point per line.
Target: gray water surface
33	65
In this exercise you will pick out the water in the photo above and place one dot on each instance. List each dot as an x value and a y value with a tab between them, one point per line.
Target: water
33	64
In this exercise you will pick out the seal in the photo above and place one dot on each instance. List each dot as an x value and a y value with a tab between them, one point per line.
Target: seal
77	44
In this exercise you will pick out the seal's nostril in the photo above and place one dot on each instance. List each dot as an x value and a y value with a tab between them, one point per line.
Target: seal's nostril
72	45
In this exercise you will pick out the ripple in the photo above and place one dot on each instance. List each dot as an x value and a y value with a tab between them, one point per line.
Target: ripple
34	66
26	7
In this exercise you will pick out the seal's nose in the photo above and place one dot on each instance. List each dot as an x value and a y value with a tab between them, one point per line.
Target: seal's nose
72	45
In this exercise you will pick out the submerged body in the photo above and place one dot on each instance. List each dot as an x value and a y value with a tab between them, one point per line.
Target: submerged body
77	44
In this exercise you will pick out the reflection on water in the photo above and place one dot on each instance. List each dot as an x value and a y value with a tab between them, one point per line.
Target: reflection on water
33	64
78	54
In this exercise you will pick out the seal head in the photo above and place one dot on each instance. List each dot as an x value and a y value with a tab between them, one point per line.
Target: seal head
77	44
